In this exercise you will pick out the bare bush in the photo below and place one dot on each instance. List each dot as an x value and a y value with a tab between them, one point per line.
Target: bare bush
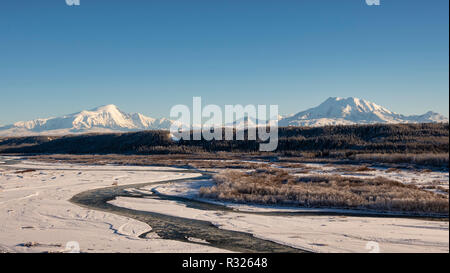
354	169
25	171
275	186
438	160
219	161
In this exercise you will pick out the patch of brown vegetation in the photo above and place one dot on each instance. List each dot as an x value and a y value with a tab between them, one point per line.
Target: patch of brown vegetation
37	244
435	187
391	170
227	164
293	165
275	186
25	171
353	169
220	161
425	159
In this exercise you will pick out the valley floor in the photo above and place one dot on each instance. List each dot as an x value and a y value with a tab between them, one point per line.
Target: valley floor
37	216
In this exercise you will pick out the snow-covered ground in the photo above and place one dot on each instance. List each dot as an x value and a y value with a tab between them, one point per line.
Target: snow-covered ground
315	233
190	190
414	177
34	208
424	178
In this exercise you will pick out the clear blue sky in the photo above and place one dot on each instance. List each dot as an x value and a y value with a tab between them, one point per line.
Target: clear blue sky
146	56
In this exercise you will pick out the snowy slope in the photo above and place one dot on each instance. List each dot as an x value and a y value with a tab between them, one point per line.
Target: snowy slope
345	111
106	118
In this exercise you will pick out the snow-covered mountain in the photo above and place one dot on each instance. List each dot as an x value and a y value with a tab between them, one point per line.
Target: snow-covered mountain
337	111
106	118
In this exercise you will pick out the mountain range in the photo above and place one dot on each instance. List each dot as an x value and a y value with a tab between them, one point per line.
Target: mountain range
109	118
346	111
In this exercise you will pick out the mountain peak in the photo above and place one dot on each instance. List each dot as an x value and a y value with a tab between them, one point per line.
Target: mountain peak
354	100
342	98
351	110
105	108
